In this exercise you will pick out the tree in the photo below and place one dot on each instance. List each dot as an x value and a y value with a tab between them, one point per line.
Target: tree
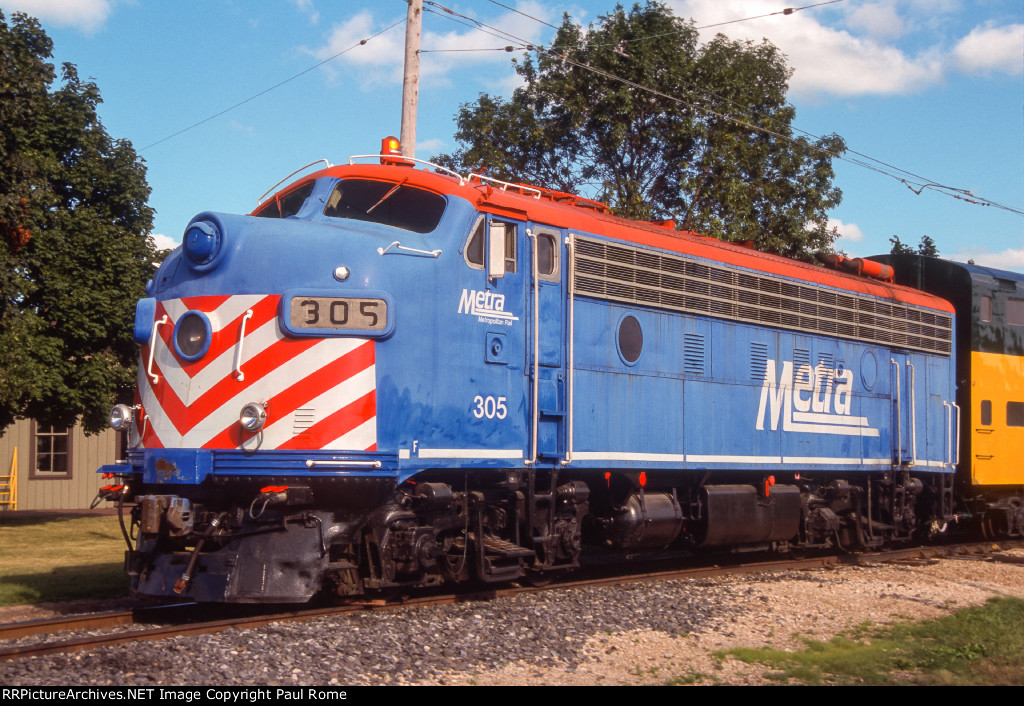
925	248
634	112
74	247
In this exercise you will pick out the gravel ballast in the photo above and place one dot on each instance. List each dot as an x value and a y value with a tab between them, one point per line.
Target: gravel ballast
642	633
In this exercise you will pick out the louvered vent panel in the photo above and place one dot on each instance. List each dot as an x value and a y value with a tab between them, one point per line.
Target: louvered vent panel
758	361
693	353
633	275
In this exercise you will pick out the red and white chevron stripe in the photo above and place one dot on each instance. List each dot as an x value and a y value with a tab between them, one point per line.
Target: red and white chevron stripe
320	393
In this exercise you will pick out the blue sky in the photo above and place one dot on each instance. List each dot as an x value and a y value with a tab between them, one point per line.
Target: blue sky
933	87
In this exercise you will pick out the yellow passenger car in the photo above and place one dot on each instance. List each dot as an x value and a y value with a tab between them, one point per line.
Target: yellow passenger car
986	427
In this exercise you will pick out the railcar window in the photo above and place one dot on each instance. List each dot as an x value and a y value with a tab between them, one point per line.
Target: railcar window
986	413
1015	414
1015	312
389	203
986	308
287	205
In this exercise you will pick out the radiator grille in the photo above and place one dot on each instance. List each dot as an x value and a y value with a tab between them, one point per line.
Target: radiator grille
626	273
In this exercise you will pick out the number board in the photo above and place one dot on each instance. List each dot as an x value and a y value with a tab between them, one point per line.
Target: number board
338	313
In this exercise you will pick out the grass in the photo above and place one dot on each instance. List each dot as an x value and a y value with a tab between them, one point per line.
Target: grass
977	646
60	559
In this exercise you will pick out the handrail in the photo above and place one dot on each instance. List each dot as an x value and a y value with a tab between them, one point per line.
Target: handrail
899	416
535	412
913	413
259	201
957	408
446	170
398	246
152	348
241	339
949	432
571	273
506	185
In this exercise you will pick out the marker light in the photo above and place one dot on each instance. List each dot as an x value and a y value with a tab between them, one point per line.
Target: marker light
391	145
253	417
391	153
121	417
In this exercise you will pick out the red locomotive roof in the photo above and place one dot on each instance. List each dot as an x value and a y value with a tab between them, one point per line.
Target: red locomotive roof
576	213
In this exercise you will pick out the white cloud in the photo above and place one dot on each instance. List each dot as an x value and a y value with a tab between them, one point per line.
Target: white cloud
990	49
825	60
381	59
306	7
425	149
87	15
239	127
876	19
848	232
1009	259
164	242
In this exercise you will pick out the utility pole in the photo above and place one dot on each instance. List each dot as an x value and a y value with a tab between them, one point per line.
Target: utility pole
411	81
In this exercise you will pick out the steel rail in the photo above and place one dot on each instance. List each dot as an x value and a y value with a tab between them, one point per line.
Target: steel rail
986	550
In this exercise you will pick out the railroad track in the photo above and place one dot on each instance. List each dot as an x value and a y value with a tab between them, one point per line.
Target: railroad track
189	619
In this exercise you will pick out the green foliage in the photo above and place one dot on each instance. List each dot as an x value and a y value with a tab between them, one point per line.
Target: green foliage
925	248
74	247
635	112
978	646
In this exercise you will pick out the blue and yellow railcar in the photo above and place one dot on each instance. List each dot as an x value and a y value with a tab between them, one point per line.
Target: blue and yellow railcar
990	382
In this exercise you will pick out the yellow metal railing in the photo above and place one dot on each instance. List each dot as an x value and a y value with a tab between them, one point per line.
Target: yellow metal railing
9	485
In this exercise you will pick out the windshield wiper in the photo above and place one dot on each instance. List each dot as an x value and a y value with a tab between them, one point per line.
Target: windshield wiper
386	196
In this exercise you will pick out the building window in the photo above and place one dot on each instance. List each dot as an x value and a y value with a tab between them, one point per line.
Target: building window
51	457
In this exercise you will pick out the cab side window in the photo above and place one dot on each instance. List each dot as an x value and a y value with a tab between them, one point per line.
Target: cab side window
547	256
476	243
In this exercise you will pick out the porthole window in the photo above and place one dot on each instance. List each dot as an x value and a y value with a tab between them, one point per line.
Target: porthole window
630	340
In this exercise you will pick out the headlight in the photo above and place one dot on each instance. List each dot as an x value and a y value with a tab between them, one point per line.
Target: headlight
202	242
192	335
121	417
253	416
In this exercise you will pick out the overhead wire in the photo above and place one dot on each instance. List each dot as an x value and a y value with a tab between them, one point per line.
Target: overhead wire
520	12
275	86
915	182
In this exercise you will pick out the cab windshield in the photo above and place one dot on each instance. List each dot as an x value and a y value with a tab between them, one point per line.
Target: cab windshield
387	202
287	205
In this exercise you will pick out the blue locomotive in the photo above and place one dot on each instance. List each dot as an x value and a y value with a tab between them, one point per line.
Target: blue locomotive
390	375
